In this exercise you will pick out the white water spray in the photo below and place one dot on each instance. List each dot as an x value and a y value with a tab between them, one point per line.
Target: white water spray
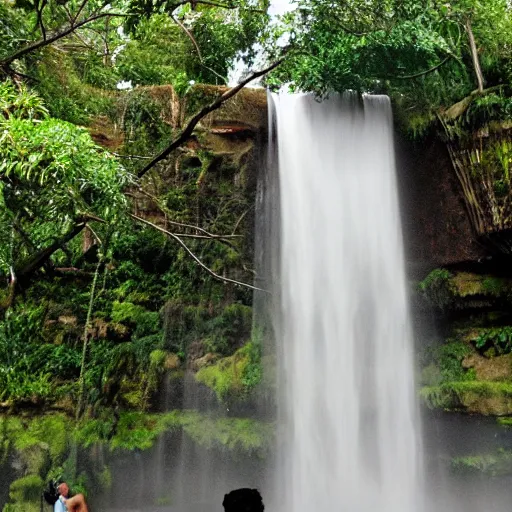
349	418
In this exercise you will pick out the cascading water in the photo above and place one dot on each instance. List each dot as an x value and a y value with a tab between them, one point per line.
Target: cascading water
348	414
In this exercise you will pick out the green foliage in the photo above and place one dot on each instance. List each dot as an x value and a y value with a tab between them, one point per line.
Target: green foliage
505	422
56	441
437	288
497	338
219	36
495	286
444	364
13	28
487	108
221	330
234	376
234	434
52	175
450	357
136	430
26	362
418	52
126	312
146	59
144	118
139	431
57	73
27	488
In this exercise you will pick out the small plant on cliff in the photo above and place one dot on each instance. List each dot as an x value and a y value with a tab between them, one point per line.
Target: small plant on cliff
443	364
437	288
496	339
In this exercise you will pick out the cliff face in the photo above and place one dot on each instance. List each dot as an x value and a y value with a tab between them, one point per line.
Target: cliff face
437	231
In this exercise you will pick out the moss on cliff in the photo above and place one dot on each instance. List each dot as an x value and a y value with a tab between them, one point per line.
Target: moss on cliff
492	464
236	376
444	289
486	398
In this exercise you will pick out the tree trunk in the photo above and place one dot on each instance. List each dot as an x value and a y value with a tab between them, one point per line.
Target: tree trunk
37	260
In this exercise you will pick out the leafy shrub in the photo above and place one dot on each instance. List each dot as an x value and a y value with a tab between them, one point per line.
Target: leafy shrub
20	387
497	338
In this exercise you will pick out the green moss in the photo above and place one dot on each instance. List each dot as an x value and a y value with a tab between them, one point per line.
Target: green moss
495	286
126	312
146	119
437	288
505	422
66	95
139	431
27	488
234	376
487	398
496	464
442	288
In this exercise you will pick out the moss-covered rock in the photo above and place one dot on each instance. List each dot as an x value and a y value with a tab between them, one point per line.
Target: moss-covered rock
489	369
453	289
480	397
234	376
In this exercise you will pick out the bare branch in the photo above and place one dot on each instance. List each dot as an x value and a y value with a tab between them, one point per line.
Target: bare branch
194	257
187	132
188	226
474	56
217	4
94	234
131	157
189	35
426	72
237	223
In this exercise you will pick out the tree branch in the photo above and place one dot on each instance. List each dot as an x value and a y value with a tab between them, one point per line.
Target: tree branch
37	260
194	257
59	35
426	72
80	9
189	35
187	226
187	132
131	157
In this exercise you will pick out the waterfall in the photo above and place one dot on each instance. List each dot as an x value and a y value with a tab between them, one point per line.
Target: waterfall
348	417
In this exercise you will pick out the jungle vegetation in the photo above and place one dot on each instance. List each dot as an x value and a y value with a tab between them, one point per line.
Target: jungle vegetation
99	101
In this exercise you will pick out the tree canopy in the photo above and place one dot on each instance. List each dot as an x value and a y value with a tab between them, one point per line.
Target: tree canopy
421	52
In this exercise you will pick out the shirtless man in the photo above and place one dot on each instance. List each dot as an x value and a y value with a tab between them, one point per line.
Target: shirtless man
65	504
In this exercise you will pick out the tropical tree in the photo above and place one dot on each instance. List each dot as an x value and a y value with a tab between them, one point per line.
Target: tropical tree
443	63
54	181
